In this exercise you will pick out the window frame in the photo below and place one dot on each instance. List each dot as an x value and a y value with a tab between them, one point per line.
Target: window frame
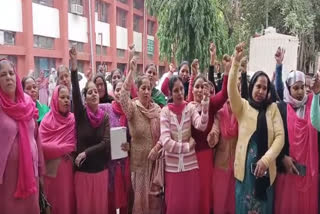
43	42
123	22
48	3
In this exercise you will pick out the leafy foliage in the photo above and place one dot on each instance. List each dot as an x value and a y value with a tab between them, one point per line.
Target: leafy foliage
186	27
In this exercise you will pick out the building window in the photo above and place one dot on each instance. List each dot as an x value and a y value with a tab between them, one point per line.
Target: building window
138	4
121	18
77	45
44	2
150	28
7	37
11	58
102	10
43	64
43	42
123	1
122	67
99	48
136	23
76	7
80	67
121	53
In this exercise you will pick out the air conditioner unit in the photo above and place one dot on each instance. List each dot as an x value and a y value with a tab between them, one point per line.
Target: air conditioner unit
77	9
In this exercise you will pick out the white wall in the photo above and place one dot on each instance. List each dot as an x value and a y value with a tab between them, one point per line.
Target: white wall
122	38
137	40
77	28
262	50
11	15
104	28
45	21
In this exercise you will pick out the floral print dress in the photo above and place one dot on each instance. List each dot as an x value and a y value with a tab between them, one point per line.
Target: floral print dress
246	202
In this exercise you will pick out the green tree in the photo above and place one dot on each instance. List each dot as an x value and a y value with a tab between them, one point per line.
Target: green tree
186	28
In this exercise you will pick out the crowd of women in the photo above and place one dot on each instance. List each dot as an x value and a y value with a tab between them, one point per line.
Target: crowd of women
196	146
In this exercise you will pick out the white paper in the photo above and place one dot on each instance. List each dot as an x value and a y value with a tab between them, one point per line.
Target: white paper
118	137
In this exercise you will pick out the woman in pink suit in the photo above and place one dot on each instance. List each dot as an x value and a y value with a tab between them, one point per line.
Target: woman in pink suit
57	132
20	153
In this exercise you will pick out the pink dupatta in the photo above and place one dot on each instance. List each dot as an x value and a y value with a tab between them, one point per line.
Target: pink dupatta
228	122
303	141
22	111
57	132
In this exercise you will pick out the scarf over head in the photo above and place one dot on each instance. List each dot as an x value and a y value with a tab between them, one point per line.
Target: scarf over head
116	107
57	130
106	98
299	106
22	111
262	183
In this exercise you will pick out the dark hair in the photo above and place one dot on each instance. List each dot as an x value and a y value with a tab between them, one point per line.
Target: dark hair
114	85
140	80
61	87
199	77
85	90
150	65
182	64
172	81
106	98
24	80
60	67
253	81
109	78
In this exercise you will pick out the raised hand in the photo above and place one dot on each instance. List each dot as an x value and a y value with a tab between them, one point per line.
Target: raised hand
279	55
239	52
206	90
213	53
316	84
226	63
195	67
73	58
131	51
133	65
244	64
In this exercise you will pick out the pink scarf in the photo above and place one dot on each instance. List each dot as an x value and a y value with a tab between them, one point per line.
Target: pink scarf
57	131
228	122
303	141
95	119
116	107
22	111
177	108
